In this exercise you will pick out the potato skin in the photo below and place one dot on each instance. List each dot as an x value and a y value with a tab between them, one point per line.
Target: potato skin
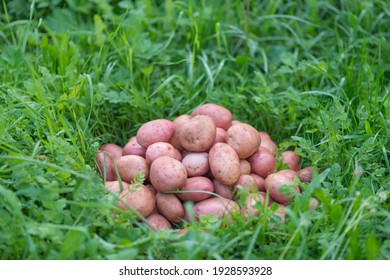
222	117
262	162
167	174
170	207
115	186
248	182
178	122
139	198
158	222
215	206
159	149
224	163
113	149
260	182
250	202
244	139
198	134
130	165
198	183
267	142
306	174
223	190
134	148
197	164
220	136
291	159
104	159
160	130
245	167
273	183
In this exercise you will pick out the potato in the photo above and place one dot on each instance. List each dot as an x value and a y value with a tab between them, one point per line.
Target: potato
197	164
222	117
130	165
113	149
158	222
281	212
220	136
105	166
115	186
314	203
262	162
251	208
159	149
245	167
160	130
134	148
215	206
267	142
260	182
139	198
292	174
244	139
248	182
305	174
178	122
224	163
170	207
274	183
291	159
223	190
199	185
167	174
198	134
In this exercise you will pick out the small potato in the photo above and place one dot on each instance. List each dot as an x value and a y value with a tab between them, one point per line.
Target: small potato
199	185
244	139
178	122
220	136
281	212
160	130
248	182
115	186
260	182
305	174
134	148
167	174
314	203
198	134
262	162
275	182
170	207
105	166
159	149
223	190
130	165
250	204
245	167
139	198
292	174
113	149
222	117
224	163
291	159
267	142
158	222
215	206
197	164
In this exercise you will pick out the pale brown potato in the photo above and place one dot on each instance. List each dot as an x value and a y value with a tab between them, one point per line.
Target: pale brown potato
244	139
104	163
215	206
220	136
139	198
196	189
160	130
134	148
223	190
291	159
248	182
260	182
159	149
273	184
198	134
170	207
222	117
131	165
197	164
262	162
250	204
224	163
158	222
167	174
245	167
115	186
178	122
113	149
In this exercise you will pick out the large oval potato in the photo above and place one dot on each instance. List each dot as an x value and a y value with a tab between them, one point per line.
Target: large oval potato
160	130
197	164
274	184
196	189
130	165
159	149
158	222
167	174
113	149
217	206
222	117
198	134
134	148
178	122
105	166
262	162
170	207
244	139
224	163
139	198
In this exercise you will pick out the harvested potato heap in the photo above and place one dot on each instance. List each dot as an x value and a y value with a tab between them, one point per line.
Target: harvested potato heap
205	158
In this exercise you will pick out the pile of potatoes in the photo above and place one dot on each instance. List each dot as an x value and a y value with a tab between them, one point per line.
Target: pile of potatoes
205	158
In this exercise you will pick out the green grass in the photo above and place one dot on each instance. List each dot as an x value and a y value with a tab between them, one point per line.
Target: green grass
76	74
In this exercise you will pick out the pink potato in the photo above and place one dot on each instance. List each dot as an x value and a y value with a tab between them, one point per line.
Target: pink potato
196	189
198	134
267	142
220	136
260	182
115	186
262	162
248	182
158	222
251	202
217	206
105	166
274	184
281	212
197	164
134	148
139	198
245	167
178	122
113	149
244	139
222	117
160	130
305	174
224	163
292	174
167	174
131	165
159	149
170	207
291	159
223	190
314	203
